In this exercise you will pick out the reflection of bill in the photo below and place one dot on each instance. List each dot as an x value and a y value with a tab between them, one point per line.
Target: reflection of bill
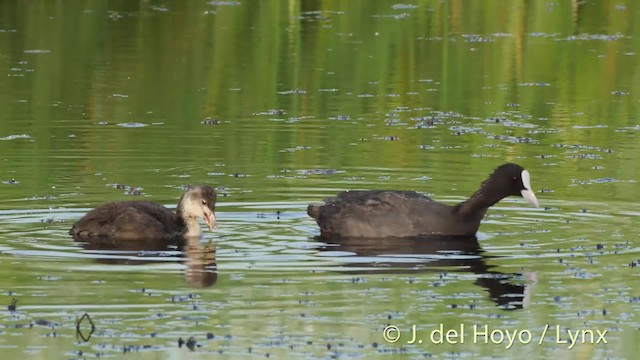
200	261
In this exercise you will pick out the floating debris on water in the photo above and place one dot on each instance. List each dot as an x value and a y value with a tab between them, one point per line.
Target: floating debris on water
49	278
510	123
12	306
134	191
394	122
128	190
114	15
404	6
476	38
132	125
292	92
295	119
297	148
44	322
191	343
210	121
13	137
585	156
118	186
515	139
629	128
539	84
426	121
601	37
160	8
224	3
37	51
595	181
271	112
483	156
319	172
459	130
586	147
599	126
50	220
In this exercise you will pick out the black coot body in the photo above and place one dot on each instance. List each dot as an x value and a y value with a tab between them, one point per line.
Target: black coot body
144	220
385	213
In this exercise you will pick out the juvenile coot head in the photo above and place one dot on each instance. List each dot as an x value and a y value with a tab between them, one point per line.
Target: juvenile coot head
199	202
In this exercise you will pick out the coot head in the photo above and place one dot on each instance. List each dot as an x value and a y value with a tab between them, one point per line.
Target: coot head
515	180
199	202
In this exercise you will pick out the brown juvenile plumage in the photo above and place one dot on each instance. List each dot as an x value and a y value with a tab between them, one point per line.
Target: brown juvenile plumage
141	220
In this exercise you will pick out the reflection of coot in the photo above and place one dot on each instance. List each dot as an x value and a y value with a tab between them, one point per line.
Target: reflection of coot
457	253
141	220
385	214
201	268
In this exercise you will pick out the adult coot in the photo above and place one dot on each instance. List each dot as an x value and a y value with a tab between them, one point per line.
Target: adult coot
379	213
144	220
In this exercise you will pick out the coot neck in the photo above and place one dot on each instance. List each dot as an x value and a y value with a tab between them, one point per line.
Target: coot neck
190	222
192	226
481	200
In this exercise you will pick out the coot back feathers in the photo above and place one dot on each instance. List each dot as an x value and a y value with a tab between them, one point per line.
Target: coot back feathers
384	213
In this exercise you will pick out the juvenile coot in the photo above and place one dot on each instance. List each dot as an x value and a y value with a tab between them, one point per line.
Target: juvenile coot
144	220
379	213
